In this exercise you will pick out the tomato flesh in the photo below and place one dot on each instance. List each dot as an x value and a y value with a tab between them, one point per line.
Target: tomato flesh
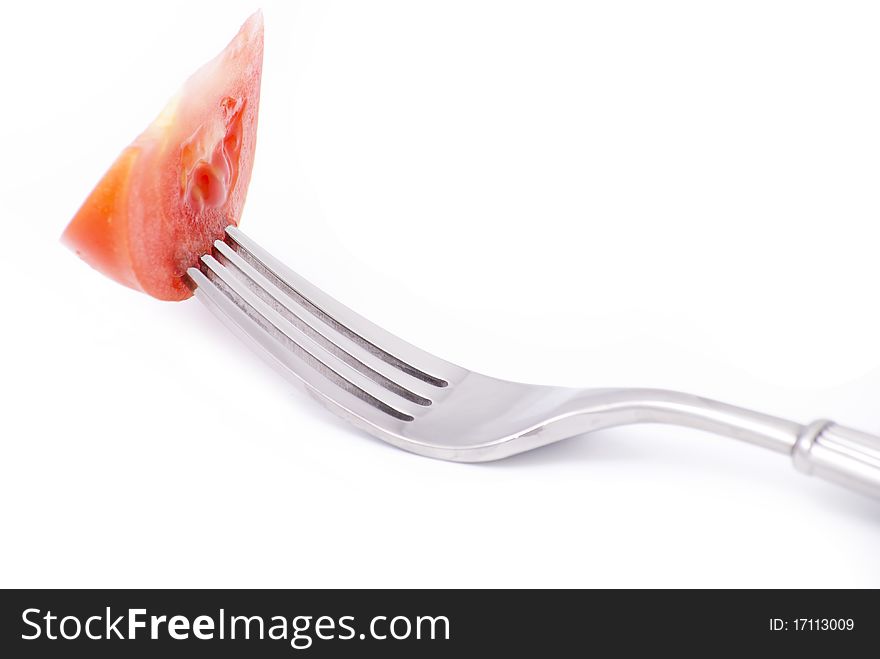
175	189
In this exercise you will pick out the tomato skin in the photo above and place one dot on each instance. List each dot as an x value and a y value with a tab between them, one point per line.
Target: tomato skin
97	233
174	190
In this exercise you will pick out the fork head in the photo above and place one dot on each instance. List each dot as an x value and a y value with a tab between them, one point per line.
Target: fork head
380	383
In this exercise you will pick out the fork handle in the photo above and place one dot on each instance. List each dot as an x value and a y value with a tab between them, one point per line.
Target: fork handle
845	456
823	448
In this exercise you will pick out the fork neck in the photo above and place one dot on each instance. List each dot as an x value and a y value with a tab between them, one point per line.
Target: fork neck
617	407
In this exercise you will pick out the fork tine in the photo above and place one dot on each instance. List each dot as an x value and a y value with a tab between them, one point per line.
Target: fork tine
289	348
402	384
369	336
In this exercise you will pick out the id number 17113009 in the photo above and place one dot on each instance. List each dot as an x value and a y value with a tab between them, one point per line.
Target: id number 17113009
811	624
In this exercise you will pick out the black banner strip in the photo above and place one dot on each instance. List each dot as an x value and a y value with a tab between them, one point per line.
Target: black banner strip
318	623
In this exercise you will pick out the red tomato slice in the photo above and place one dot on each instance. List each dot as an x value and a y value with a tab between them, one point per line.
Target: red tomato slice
172	192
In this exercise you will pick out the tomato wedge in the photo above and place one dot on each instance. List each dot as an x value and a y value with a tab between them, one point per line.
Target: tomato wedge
172	192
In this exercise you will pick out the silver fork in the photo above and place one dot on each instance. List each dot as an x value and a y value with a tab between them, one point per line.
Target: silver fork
426	405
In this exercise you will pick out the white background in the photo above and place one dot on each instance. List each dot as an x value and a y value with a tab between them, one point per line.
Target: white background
681	194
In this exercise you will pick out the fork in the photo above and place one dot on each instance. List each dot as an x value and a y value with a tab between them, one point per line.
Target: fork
423	404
